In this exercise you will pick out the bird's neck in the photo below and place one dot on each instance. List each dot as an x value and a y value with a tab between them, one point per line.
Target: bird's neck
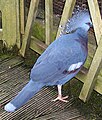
83	38
82	33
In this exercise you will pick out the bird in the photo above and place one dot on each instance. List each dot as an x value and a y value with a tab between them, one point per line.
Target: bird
59	63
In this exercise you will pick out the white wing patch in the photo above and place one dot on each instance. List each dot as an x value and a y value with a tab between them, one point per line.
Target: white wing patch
75	66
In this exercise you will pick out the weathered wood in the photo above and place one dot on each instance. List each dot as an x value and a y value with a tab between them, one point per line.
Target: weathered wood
71	114
0	20
37	45
8	9
31	17
10	22
18	38
67	12
48	20
10	63
22	17
98	86
1	34
91	50
96	18
91	77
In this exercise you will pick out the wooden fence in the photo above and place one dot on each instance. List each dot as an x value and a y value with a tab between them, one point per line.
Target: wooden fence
91	78
59	4
10	22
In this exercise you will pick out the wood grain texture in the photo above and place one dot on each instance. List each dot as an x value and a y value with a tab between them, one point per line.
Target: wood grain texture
31	17
67	12
48	20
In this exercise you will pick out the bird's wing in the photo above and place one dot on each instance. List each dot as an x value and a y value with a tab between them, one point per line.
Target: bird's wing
65	56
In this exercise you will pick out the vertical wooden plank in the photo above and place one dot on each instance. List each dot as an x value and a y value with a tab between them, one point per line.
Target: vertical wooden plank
1	33
18	38
22	16
67	12
90	79
31	17
9	22
48	20
97	60
96	18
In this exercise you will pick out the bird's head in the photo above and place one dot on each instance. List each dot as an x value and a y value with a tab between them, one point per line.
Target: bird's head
86	26
80	18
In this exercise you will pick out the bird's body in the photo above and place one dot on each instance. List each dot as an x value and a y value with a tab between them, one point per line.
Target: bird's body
60	62
52	67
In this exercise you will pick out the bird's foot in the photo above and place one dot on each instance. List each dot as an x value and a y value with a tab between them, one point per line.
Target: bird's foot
60	98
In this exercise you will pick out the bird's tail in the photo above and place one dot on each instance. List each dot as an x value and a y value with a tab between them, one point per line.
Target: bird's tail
24	95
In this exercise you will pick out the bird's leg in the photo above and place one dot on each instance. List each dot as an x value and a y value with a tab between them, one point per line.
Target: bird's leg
60	95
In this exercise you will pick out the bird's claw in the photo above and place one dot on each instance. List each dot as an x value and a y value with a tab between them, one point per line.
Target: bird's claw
61	99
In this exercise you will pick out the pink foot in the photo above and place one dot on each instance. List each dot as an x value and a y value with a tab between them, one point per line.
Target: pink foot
60	98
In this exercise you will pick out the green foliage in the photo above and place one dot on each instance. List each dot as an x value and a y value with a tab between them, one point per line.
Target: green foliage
38	31
88	62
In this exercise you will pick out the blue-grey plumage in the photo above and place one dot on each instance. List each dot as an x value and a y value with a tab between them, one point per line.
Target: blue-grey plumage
60	62
58	57
24	95
78	18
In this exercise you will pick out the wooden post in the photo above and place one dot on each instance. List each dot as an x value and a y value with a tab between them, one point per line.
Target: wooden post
8	9
67	12
0	34
22	16
96	18
31	17
49	20
93	72
18	38
37	45
90	79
